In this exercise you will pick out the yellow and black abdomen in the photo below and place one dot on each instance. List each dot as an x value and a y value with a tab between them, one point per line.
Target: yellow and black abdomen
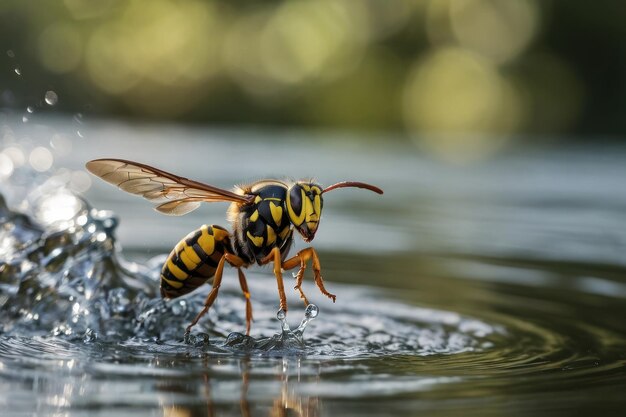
193	260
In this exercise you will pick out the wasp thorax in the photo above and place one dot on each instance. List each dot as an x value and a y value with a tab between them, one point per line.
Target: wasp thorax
304	205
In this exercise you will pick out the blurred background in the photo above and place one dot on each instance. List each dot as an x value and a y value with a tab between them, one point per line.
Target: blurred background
463	78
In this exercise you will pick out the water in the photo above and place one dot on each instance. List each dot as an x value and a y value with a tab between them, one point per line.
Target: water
496	289
51	98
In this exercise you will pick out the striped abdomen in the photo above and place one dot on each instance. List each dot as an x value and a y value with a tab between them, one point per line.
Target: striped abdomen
193	260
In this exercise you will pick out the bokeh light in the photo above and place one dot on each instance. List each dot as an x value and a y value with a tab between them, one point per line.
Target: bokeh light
6	166
307	40
41	159
479	73
458	104
16	155
499	30
88	9
58	208
155	56
80	181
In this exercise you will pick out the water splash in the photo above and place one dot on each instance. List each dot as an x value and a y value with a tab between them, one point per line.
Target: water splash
63	271
284	341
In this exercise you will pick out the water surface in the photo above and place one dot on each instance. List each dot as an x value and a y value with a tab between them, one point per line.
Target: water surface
493	289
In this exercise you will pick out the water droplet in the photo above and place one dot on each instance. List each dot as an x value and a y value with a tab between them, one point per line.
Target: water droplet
78	118
79	134
90	336
18	71
309	314
282	315
240	341
30	109
10	53
24	119
311	311
119	301
199	340
51	98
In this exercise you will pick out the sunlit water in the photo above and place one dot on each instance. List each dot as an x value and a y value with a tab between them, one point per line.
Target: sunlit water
492	290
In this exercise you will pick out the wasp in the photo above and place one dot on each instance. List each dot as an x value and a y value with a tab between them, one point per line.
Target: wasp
263	214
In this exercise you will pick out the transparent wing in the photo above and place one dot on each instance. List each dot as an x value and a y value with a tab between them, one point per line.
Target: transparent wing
173	195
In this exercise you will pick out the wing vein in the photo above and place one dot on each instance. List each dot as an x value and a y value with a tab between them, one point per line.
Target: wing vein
181	194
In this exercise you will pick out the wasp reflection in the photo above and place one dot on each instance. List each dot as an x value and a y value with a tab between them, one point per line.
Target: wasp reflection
245	387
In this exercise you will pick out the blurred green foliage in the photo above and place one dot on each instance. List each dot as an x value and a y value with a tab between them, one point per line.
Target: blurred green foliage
455	73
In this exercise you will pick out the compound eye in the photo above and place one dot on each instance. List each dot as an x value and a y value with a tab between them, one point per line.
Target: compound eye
316	196
295	199
317	204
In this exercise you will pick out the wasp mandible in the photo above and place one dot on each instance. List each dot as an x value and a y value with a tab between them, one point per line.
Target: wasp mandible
263	215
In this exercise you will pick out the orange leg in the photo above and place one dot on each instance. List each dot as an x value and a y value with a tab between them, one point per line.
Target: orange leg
237	262
244	287
299	277
300	259
274	255
217	281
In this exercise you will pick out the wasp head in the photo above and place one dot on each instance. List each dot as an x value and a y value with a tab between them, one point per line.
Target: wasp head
304	205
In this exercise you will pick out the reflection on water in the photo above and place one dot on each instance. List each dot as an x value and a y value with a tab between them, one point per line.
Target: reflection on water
474	293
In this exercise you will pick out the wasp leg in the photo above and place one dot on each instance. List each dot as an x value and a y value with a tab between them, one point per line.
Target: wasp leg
292	263
246	293
301	258
237	262
217	281
298	286
274	255
210	299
